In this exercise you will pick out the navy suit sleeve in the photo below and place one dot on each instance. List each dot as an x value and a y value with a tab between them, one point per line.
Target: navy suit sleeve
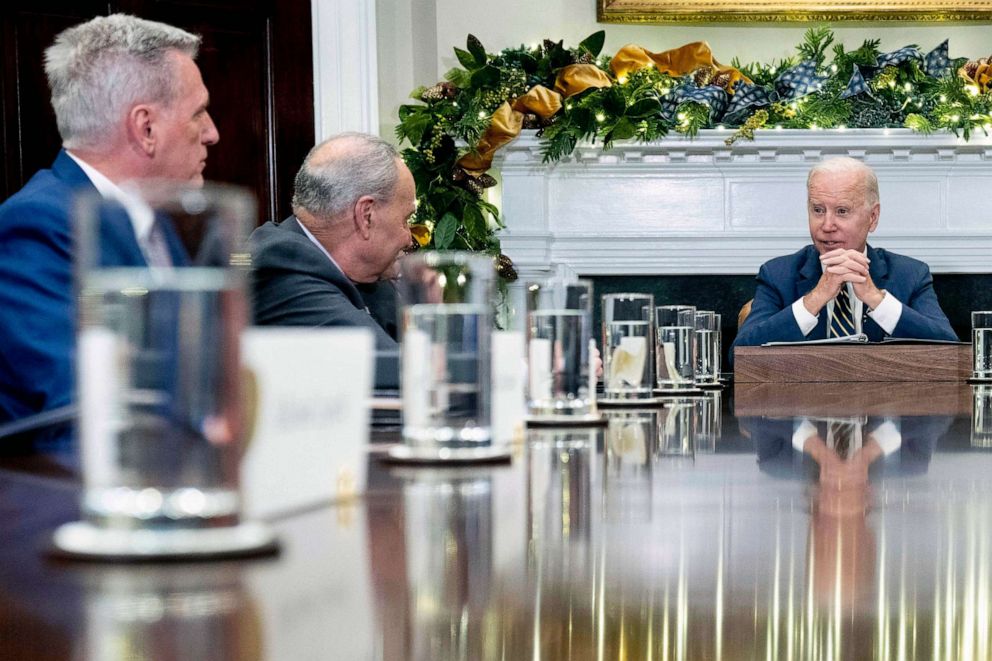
36	309
921	314
771	318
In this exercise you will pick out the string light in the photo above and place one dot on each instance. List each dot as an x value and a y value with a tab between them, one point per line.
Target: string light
600	117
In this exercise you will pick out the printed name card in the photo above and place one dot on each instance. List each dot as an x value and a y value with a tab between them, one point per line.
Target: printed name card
308	410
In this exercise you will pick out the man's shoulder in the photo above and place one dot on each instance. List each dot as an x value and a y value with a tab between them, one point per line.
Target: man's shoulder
897	262
46	198
276	240
789	263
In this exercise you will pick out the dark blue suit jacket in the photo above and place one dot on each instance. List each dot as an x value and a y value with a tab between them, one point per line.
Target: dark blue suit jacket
37	296
784	280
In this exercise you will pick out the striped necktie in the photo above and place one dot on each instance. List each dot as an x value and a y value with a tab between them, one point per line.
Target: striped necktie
842	436
842	319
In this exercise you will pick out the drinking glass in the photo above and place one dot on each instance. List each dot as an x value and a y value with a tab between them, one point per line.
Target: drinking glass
981	416
162	425
675	354
707	332
562	383
628	342
981	343
445	353
708	422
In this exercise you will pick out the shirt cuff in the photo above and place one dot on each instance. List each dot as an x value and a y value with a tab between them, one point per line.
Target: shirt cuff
807	321
888	437
803	432
887	313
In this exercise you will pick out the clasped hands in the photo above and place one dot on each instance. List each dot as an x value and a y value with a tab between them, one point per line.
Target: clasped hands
843	482
841	266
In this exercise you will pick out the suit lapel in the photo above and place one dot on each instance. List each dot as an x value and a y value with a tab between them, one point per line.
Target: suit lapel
878	269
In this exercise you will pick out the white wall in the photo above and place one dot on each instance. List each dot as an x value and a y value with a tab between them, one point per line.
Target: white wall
415	37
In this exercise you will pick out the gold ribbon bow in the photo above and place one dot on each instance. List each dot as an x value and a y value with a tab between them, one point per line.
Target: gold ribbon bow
675	62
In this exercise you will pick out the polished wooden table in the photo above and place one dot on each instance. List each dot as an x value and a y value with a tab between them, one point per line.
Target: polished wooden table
685	532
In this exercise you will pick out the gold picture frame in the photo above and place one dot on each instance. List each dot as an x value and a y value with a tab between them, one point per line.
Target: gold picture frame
787	11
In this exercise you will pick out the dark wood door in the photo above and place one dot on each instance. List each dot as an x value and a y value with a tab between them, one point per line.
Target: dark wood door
256	61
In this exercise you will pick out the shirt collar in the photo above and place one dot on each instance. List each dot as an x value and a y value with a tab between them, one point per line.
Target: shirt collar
319	245
141	215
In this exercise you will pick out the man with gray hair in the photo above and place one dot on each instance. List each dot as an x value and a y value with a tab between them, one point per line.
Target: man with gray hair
839	285
329	263
130	104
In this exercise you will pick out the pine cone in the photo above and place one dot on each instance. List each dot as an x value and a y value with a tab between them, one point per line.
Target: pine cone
458	174
703	75
486	181
531	121
443	90
472	184
979	73
721	80
585	58
505	269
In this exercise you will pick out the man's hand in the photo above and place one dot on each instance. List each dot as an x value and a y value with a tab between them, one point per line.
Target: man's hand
839	267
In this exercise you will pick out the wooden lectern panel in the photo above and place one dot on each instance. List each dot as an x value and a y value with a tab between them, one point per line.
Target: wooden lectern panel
817	363
851	399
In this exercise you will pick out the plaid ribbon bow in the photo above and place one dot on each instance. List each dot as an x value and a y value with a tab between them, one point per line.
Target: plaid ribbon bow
937	62
799	81
897	57
747	95
711	96
856	85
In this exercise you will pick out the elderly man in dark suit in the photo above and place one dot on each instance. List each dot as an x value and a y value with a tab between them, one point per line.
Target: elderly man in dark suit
130	104
329	263
840	285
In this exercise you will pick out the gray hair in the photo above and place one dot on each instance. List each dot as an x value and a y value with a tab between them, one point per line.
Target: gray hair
844	165
343	168
98	69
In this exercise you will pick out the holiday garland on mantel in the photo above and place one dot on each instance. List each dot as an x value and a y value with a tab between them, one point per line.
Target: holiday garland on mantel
575	94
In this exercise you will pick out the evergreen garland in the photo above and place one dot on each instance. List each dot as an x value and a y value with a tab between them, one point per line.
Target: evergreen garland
450	117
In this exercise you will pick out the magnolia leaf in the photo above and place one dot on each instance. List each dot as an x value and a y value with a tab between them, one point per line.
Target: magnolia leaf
624	130
643	108
444	231
487	76
475	48
466	59
594	42
474	222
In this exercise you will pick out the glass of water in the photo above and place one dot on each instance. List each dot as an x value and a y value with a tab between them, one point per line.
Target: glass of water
628	342
562	385
981	416
162	426
675	351
981	343
446	354
708	348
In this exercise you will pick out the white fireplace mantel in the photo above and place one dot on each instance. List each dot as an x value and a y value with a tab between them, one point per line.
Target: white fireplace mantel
679	206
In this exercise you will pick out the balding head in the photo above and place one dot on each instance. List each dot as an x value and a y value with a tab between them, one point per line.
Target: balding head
342	169
845	165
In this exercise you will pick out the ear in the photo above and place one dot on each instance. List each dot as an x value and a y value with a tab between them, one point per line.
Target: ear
140	128
876	210
364	208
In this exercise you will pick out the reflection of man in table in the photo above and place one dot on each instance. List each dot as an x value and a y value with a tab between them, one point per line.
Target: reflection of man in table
840	285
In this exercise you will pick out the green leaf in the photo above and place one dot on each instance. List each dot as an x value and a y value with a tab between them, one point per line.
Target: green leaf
487	76
465	59
594	42
644	108
444	231
474	223
613	101
476	49
624	130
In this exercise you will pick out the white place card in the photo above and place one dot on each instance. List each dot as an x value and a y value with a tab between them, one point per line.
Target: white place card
311	417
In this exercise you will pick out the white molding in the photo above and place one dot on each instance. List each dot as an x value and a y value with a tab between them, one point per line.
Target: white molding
346	96
679	206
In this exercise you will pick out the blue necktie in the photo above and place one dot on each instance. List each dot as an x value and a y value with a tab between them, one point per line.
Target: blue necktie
842	319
